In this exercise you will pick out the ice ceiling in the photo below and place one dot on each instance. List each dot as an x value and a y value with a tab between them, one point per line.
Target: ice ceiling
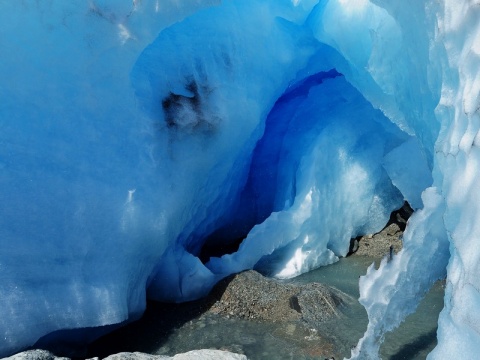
150	148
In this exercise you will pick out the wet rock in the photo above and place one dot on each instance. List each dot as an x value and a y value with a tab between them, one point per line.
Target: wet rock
319	303
250	295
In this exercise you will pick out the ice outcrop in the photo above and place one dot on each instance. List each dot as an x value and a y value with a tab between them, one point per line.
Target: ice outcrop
136	136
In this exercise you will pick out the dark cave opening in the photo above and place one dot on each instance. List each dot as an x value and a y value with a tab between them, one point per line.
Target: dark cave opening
298	118
270	182
213	247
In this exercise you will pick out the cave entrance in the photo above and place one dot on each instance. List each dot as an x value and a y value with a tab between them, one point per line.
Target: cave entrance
321	136
215	246
271	179
387	241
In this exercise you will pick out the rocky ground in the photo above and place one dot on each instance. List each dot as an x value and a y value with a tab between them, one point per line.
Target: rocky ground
378	245
282	314
249	295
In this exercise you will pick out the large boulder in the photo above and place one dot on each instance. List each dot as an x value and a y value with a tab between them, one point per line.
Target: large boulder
250	295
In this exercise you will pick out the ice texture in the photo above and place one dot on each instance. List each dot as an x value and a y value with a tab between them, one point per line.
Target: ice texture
137	136
330	127
391	293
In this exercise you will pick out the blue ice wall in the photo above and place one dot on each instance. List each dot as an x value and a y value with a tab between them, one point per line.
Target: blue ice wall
133	132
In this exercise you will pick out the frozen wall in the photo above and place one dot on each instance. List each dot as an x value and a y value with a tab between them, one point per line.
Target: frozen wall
435	86
137	137
75	211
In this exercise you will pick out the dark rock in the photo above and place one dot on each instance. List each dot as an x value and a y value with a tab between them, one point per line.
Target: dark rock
294	304
188	111
354	244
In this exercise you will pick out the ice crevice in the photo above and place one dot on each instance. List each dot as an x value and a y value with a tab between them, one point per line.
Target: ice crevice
255	134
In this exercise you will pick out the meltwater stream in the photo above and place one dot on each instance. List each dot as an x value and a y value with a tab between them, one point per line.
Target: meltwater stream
175	330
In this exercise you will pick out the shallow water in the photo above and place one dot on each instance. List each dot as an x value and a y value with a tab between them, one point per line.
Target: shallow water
413	340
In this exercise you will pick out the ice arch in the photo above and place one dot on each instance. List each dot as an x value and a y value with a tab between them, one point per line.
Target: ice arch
299	136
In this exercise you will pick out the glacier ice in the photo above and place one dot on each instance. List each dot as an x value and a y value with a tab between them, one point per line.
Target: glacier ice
314	224
136	135
389	293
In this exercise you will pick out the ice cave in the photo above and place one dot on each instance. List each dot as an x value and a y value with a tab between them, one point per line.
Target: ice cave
151	148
